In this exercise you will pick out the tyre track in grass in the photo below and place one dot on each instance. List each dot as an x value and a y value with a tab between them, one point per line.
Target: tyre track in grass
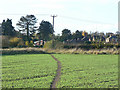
58	74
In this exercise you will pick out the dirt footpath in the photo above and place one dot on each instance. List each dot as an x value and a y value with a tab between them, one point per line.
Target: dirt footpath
57	77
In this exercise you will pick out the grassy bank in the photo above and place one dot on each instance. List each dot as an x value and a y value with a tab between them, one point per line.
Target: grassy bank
13	51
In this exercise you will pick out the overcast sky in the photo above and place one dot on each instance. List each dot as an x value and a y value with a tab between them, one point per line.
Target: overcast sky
88	15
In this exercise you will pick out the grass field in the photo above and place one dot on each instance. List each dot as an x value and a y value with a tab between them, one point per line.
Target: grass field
88	71
78	71
21	71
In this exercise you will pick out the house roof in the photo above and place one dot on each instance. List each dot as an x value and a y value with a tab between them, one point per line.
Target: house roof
113	37
85	38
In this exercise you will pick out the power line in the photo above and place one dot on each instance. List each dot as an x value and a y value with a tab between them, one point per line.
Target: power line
21	14
85	20
66	17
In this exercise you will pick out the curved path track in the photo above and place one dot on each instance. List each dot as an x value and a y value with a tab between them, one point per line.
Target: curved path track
57	77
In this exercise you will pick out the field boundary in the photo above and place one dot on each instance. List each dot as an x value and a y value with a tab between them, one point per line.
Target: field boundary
58	74
14	51
23	51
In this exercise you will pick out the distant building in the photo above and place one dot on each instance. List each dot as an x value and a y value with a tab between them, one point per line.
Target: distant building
89	40
93	39
77	40
85	39
109	34
102	38
39	43
112	39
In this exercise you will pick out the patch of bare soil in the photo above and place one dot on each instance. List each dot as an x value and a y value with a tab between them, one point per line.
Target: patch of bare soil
57	77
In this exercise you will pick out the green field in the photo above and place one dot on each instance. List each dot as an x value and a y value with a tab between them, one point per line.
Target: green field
88	71
21	71
78	71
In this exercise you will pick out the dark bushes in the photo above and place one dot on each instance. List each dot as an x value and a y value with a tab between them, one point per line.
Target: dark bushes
91	46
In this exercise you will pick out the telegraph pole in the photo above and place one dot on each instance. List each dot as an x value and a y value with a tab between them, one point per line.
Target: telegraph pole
53	20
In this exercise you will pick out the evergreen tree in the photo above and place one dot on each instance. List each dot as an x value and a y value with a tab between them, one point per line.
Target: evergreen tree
45	30
66	34
7	28
27	25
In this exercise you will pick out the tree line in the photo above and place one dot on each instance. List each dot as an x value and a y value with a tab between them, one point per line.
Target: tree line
27	29
27	32
26	26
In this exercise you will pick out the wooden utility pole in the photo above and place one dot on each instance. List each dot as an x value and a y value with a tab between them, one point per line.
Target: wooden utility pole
53	20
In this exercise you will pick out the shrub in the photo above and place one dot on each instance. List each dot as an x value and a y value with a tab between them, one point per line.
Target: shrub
5	41
21	44
109	45
57	44
48	44
29	44
14	41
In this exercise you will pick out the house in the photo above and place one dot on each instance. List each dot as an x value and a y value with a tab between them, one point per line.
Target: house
73	41
98	38
89	40
109	34
85	39
78	40
39	43
112	39
93	39
102	38
36	43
